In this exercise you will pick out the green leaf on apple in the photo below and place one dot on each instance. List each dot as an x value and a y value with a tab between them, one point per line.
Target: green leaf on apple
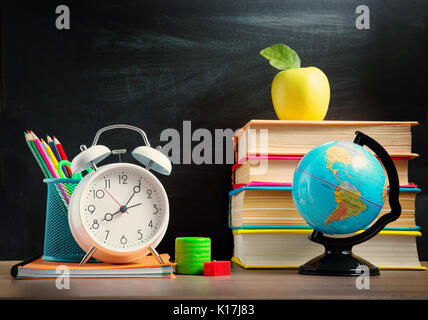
281	57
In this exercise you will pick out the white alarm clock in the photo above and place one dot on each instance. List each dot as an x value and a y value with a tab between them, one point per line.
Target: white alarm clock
119	212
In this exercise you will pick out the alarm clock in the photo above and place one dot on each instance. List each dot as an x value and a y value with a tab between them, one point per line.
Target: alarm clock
119	212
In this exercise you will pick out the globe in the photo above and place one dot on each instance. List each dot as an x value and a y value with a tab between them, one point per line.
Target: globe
339	188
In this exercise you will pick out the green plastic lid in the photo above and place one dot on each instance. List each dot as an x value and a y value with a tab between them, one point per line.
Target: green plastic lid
191	253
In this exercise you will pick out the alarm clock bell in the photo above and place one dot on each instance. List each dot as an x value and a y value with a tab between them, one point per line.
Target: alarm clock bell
148	156
153	159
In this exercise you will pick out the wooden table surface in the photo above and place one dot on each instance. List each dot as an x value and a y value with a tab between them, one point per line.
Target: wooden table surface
241	284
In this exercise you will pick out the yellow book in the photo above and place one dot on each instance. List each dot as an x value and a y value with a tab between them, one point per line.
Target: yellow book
290	248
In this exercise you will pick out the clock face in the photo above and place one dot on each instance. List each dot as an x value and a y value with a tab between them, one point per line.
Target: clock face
123	207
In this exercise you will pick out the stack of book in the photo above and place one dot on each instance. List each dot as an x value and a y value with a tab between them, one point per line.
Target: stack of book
269	231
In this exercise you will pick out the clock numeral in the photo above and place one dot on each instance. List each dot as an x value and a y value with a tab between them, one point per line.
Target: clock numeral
156	208
123	178
151	224
107	183
123	240
97	193
91	209
95	224
108	232
140	234
149	193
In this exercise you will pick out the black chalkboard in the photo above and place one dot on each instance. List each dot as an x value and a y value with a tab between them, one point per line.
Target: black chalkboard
155	64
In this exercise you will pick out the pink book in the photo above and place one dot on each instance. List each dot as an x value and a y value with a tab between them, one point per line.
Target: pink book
289	184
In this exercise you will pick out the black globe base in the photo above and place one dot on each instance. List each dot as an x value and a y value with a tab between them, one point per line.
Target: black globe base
338	263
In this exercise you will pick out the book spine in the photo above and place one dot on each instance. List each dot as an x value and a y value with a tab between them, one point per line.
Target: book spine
15	268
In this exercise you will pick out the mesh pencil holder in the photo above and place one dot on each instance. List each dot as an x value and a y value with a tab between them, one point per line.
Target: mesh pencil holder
59	244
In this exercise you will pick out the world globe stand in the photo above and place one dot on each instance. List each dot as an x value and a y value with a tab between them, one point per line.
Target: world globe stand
338	259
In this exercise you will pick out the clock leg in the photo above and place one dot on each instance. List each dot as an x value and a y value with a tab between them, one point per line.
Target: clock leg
88	255
156	255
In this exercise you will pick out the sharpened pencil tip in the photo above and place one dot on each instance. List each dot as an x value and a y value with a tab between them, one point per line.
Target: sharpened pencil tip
28	137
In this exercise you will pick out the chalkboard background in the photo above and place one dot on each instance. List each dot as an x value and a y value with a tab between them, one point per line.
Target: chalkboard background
154	64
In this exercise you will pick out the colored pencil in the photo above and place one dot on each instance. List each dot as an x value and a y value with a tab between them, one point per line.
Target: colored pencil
50	154
45	156
51	143
40	155
30	143
63	155
65	194
55	163
60	149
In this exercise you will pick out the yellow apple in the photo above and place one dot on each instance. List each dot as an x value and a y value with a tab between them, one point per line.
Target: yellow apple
301	94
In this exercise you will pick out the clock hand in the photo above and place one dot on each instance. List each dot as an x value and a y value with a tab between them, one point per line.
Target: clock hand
129	199
122	208
112	197
135	190
110	215
134	205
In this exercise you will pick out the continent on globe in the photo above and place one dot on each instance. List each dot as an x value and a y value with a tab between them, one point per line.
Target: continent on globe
349	203
337	154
